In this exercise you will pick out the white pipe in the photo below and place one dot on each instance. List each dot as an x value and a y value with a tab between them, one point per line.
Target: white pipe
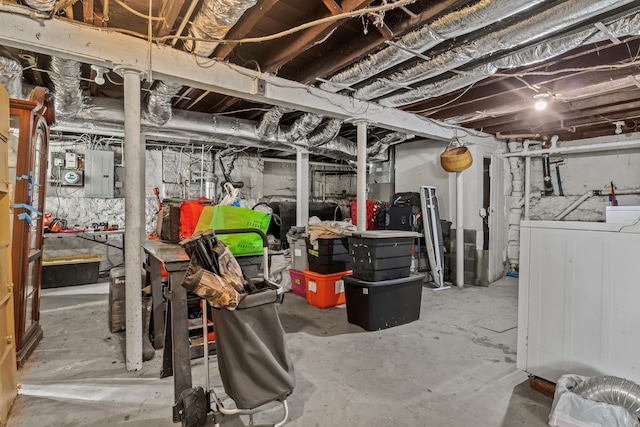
591	148
362	176
527	187
459	231
574	205
302	188
134	202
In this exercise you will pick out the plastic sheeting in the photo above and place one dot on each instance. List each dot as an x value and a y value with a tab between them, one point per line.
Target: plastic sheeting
571	410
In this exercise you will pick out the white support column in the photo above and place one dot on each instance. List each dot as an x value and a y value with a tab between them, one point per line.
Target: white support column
362	176
459	231
527	186
302	187
134	214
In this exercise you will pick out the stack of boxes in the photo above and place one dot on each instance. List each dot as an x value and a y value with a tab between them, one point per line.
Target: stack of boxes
382	293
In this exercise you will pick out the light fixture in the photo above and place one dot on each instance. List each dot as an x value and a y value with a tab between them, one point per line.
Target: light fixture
541	105
100	71
618	125
541	101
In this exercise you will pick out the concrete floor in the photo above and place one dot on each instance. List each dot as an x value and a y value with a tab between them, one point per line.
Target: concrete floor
450	368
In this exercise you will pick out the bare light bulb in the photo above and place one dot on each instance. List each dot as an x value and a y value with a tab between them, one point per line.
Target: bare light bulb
540	105
99	80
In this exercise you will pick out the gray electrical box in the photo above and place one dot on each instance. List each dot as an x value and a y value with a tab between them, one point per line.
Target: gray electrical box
98	174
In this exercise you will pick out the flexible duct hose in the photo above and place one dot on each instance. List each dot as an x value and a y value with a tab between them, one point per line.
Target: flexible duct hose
612	390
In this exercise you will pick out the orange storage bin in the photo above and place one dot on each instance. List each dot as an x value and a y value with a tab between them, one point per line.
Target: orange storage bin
325	290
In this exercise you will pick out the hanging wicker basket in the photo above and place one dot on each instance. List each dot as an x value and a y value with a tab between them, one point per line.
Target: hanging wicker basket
455	159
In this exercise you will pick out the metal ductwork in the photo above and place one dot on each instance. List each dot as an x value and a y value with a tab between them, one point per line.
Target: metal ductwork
41	5
215	19
11	77
454	24
301	128
268	125
553	20
380	147
106	116
159	109
540	52
612	390
65	75
327	133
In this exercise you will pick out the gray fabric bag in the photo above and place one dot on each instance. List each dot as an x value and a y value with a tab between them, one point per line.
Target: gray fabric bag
252	352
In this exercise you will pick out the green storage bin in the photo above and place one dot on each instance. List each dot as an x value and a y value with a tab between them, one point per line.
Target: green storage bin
232	217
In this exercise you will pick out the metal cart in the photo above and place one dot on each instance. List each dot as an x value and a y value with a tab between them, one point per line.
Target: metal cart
253	358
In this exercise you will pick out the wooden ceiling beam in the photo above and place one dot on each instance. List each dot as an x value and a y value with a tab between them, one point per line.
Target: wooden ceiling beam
357	49
170	10
290	47
333	7
87	11
242	28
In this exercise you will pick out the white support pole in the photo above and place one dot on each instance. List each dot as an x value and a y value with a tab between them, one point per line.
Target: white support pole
459	232
134	211
527	187
302	193
362	176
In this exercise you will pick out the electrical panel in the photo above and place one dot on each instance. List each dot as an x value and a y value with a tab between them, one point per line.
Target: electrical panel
99	167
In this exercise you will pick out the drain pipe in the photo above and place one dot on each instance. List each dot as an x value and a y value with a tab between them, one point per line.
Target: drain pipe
587	195
546	172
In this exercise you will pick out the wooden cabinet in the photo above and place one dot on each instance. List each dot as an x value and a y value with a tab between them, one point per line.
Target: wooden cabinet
8	386
29	136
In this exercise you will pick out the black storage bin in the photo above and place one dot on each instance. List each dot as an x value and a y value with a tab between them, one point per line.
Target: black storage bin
381	255
385	304
70	270
332	255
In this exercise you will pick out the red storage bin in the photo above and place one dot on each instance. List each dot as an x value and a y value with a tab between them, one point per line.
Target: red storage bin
325	290
372	208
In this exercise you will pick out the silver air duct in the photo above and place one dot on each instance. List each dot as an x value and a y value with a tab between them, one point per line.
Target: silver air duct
329	132
540	52
268	125
464	21
41	5
65	75
301	128
106	116
11	77
380	147
612	390
541	25
215	19
159	103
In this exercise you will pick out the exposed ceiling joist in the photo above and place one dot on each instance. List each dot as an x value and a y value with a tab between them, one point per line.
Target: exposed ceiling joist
111	49
169	11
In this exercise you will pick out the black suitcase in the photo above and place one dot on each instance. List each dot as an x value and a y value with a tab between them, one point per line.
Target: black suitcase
407	199
406	218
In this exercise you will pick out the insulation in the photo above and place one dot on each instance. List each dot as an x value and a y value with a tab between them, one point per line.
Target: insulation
65	75
41	5
540	52
329	132
301	128
463	21
546	23
215	19
11	76
159	103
